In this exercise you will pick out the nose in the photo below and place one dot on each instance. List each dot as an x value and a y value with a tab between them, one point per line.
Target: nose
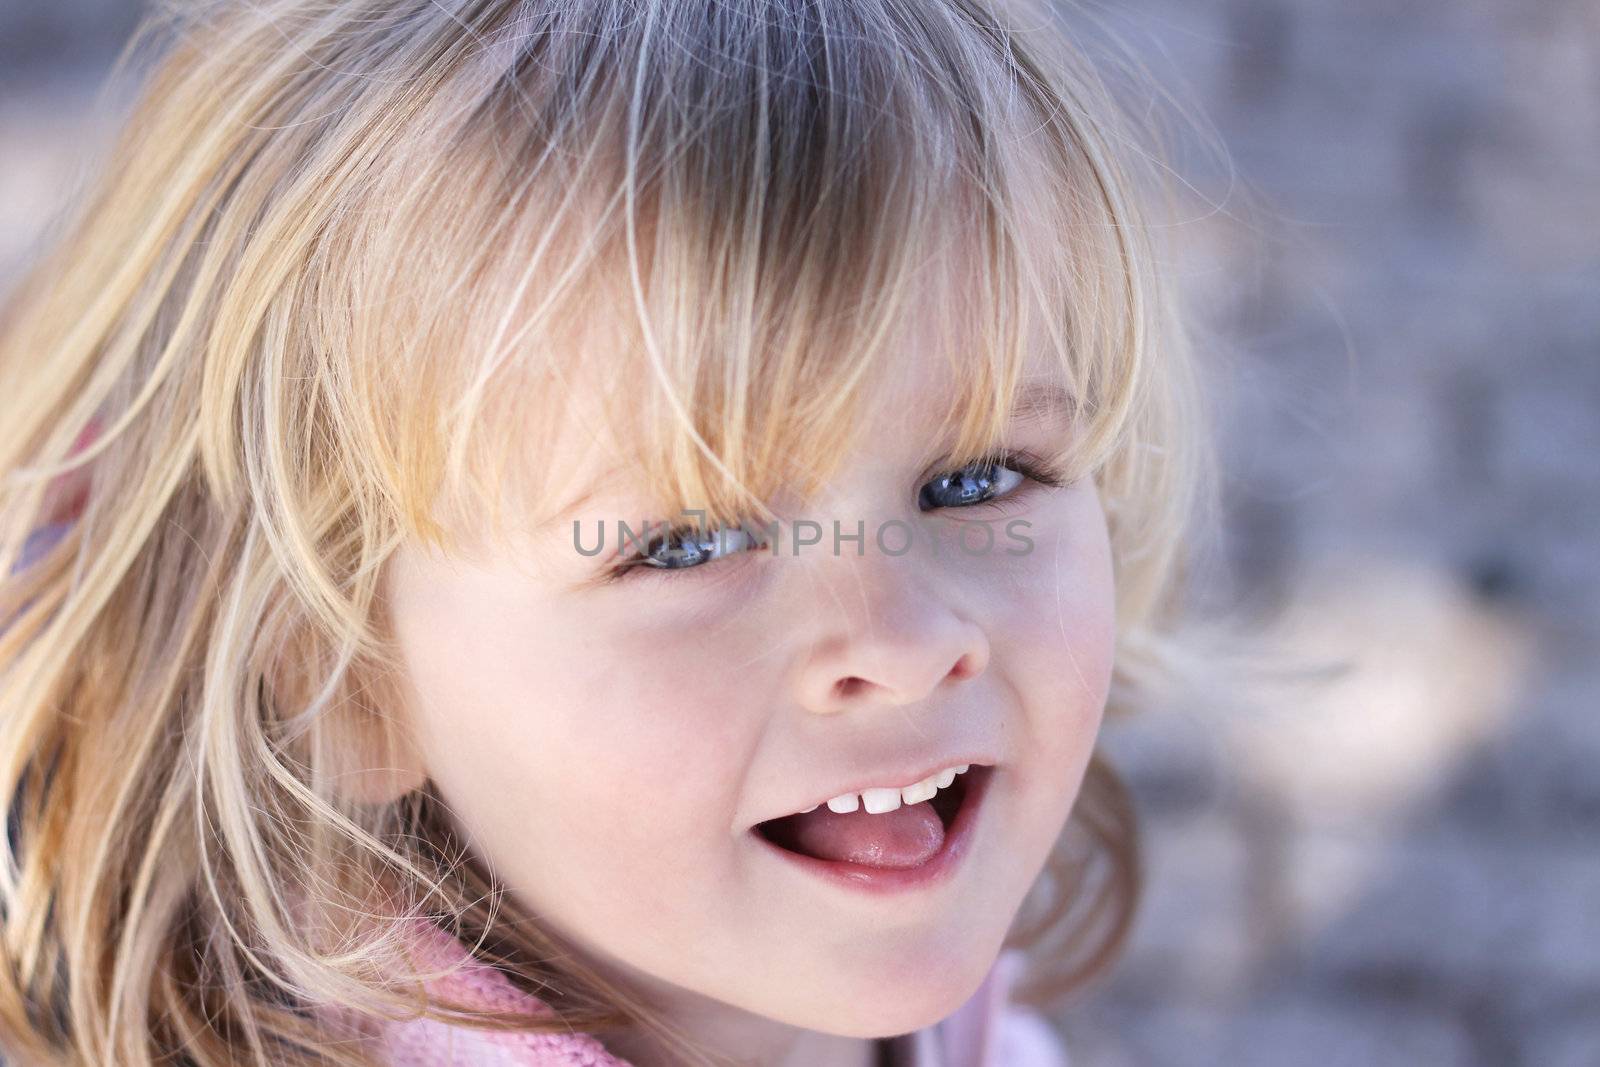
891	635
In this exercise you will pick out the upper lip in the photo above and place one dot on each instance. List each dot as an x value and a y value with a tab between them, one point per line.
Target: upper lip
897	777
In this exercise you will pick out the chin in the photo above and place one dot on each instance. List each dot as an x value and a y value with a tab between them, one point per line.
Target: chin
912	1001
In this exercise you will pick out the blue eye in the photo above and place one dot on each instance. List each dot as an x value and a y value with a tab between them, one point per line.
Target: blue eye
978	483
687	547
973	484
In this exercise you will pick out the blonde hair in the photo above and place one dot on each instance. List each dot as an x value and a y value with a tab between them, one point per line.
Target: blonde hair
319	297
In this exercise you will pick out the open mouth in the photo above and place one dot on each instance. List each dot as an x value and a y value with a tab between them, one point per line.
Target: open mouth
785	832
894	850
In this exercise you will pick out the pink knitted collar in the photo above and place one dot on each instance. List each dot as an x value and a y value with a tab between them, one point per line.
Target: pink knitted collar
967	1038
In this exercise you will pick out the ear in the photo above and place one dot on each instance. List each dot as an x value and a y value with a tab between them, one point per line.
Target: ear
375	759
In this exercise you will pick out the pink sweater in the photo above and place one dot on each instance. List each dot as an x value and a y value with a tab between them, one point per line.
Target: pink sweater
987	1031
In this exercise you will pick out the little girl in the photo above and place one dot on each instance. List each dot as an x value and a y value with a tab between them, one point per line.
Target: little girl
585	532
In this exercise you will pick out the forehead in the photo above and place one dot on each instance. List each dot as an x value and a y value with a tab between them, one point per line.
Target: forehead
921	384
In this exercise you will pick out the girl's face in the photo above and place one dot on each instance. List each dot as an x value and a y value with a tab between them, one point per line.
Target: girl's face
608	747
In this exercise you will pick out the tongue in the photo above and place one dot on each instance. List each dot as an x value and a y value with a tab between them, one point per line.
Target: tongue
905	837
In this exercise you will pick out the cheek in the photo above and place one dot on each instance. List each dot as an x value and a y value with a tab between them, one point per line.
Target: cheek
614	749
1056	637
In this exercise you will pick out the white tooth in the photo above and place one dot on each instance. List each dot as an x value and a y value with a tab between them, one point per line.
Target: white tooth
945	777
962	768
878	801
813	807
844	804
916	794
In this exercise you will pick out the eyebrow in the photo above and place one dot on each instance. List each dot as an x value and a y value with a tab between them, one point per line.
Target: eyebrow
1042	399
594	490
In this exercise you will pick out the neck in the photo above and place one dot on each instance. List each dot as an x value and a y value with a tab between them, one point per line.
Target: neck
726	1035
747	1045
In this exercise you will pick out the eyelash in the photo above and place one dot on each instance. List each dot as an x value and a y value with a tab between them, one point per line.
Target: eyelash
1032	467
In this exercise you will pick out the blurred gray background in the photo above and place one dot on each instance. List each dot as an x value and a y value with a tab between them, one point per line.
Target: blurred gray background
1401	259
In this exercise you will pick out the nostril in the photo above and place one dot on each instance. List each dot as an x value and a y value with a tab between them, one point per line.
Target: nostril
846	687
965	667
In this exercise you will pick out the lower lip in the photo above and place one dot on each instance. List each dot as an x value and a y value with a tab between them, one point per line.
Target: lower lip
938	869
